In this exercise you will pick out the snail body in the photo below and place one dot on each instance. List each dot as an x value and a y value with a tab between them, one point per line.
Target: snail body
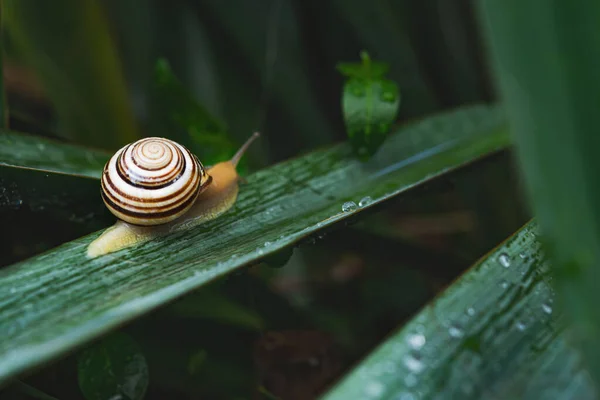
157	193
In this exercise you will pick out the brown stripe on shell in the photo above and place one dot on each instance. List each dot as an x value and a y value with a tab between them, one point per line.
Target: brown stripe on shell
161	180
106	181
141	142
116	197
152	215
142	179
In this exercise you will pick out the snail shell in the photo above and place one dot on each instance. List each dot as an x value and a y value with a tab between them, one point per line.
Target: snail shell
152	181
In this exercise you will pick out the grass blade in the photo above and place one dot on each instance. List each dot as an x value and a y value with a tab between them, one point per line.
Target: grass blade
495	333
547	70
61	299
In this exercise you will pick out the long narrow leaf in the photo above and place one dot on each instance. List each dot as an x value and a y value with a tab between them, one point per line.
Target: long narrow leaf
548	74
58	300
496	333
31	152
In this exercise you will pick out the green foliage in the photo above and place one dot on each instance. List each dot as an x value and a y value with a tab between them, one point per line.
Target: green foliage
68	44
86	71
186	120
370	104
496	333
279	206
113	367
547	74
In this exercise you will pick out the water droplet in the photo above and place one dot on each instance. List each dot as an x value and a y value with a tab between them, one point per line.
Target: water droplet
410	380
455	331
413	363
267	244
503	284
374	389
13	290
504	260
365	201
390	367
417	340
406	396
260	251
388	96
522	254
547	308
520	326
349	206
470	311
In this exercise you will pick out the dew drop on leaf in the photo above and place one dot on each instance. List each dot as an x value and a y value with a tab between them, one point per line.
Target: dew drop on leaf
365	201
413	363
417	340
504	260
349	206
374	389
455	331
547	308
407	396
410	380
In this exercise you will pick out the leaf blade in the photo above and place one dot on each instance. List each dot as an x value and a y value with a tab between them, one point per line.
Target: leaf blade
495	334
280	205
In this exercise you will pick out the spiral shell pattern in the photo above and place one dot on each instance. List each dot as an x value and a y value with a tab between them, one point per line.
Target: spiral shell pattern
152	181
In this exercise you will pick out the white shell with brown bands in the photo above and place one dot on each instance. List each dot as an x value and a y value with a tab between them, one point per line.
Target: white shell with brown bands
152	181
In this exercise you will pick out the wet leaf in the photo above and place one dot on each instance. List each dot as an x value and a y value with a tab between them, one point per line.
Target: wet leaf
496	333
113	368
46	184
61	298
370	104
546	72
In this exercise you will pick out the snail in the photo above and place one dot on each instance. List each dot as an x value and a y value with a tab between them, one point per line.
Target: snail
155	186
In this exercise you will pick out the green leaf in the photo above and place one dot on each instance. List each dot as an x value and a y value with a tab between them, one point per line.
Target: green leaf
546	68
375	25
365	70
495	333
32	152
187	121
61	299
114	367
274	48
370	104
68	44
44	183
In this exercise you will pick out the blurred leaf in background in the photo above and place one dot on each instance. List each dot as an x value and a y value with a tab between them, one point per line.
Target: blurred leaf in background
180	116
112	368
370	103
68	44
